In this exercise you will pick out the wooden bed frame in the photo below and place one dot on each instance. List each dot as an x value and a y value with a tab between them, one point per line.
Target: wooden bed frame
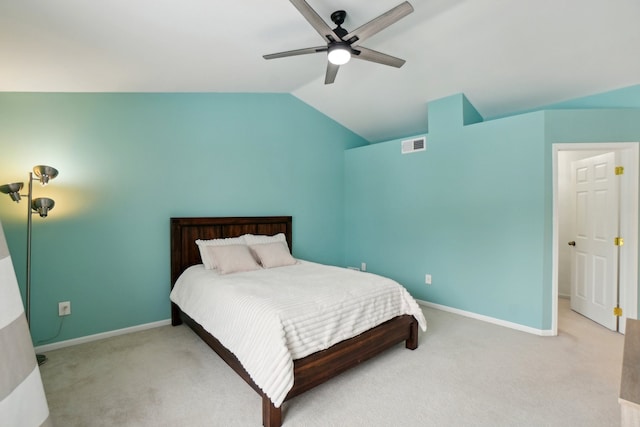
309	371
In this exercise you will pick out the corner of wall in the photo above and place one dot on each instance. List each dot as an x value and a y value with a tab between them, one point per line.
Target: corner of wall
451	112
469	113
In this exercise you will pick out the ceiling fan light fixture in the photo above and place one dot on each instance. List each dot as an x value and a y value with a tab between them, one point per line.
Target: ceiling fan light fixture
342	44
339	54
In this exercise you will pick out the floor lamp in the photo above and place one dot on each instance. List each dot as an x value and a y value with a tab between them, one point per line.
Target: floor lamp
42	206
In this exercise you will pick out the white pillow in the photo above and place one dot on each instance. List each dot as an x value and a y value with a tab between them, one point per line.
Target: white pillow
274	254
257	239
232	258
207	258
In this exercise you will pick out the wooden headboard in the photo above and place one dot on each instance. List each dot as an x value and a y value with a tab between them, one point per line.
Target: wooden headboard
185	232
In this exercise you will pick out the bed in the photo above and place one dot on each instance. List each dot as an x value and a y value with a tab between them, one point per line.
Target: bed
308	371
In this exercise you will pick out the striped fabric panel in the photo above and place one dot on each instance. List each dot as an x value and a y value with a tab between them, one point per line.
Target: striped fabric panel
4	249
17	358
22	398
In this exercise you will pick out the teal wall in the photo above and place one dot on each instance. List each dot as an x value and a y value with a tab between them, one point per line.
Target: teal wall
129	162
469	211
475	209
626	97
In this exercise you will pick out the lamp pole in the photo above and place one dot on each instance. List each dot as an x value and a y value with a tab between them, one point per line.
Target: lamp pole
29	215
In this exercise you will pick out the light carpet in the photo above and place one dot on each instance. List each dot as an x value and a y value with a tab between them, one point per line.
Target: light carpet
465	373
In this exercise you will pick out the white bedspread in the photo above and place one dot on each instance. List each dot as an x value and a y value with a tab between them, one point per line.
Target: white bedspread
268	318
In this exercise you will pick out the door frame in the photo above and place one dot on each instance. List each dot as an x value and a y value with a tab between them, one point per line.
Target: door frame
628	154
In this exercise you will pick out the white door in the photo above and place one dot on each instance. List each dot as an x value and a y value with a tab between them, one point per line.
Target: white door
594	272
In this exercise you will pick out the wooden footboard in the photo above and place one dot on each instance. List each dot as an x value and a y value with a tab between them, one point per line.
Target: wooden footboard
319	367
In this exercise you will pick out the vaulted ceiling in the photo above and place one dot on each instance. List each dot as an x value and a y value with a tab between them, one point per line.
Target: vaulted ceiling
506	56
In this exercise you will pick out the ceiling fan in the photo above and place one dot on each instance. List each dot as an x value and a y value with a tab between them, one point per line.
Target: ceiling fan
341	44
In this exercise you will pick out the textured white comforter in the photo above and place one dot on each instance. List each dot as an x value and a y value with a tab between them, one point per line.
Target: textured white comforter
270	317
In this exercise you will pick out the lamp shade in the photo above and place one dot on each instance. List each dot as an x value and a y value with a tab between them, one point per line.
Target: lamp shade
339	53
45	173
42	205
12	190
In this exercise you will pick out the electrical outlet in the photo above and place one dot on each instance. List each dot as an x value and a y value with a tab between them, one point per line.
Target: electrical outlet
363	266
64	308
427	279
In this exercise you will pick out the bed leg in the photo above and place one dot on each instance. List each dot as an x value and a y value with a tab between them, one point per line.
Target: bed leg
271	416
412	341
175	315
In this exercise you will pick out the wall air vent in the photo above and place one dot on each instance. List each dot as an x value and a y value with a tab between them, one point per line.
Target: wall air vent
414	145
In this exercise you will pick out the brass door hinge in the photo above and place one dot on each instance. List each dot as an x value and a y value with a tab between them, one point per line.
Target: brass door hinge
619	170
617	311
618	241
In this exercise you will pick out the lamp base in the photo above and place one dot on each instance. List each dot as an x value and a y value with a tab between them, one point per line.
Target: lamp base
41	358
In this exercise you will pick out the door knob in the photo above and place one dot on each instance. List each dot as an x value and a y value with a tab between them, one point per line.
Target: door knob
572	243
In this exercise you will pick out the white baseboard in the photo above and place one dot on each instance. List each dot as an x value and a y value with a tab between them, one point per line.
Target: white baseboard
103	335
499	322
100	336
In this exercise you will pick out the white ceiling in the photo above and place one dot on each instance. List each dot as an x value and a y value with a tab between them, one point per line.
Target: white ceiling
506	56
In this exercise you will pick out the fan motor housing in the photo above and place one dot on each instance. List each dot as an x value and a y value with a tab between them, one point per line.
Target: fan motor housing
338	18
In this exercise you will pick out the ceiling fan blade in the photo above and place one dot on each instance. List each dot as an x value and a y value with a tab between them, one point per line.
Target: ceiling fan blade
315	20
332	71
379	57
296	52
380	23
